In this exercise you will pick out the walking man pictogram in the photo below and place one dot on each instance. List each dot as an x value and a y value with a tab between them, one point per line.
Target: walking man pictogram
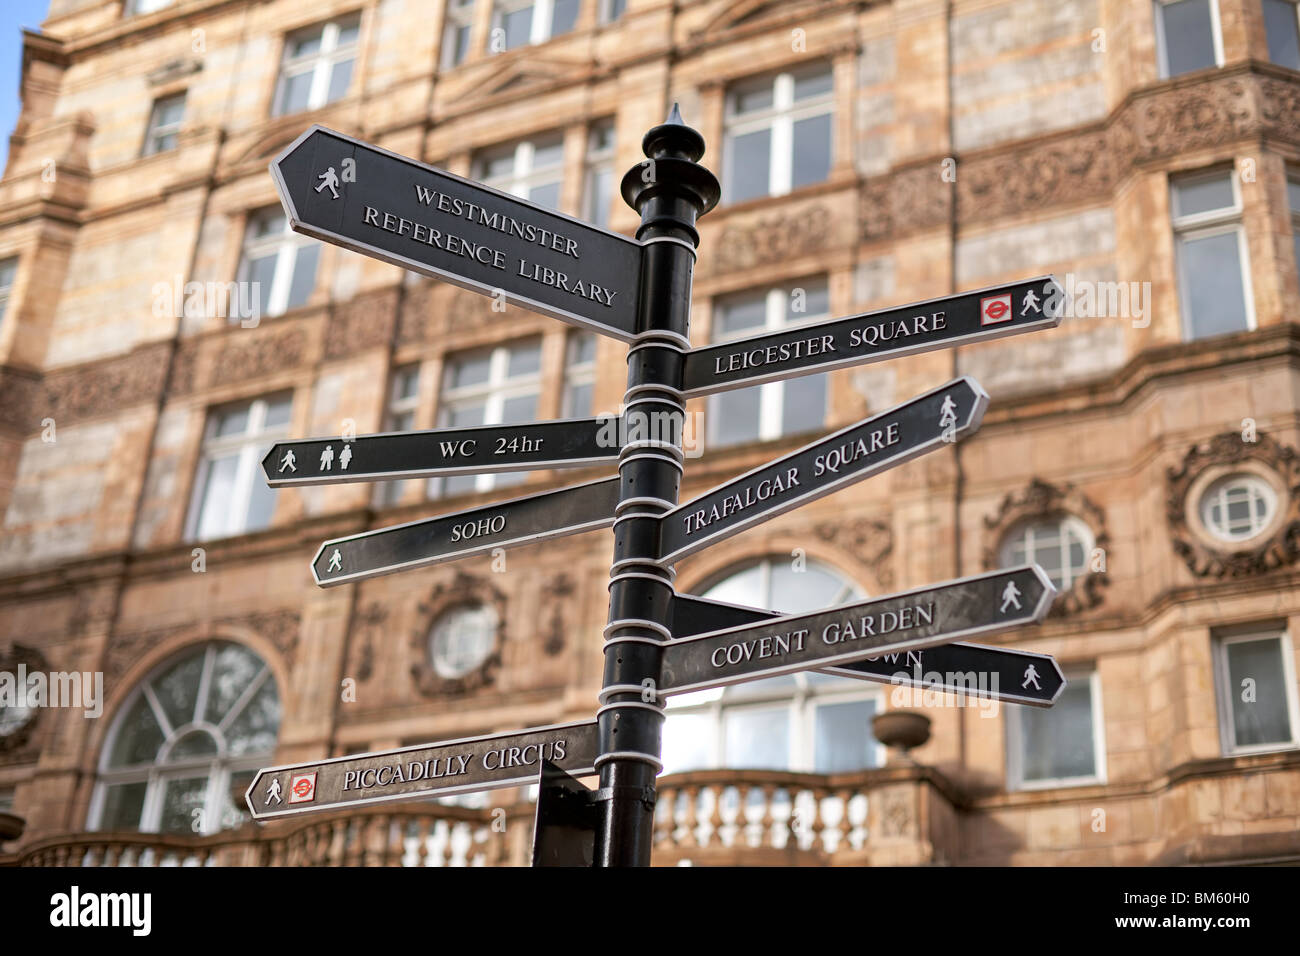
329	179
288	461
336	561
1031	302
327	458
948	413
273	791
1010	597
1031	677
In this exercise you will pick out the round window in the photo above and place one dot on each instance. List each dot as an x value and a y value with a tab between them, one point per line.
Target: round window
1060	545
1238	507
462	639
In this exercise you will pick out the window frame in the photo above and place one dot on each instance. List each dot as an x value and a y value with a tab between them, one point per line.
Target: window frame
390	493
287	245
1225	694
1062	521
1293	180
1219	487
132	7
7	288
253	444
524	175
431	639
155	131
1295	11
459	16
322	63
780	118
607	12
1206	225
771	394
498	389
539	28
155	775
597	160
1162	50
1016	781
577	374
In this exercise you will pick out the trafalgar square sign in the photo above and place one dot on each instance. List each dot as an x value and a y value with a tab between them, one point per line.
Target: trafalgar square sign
657	643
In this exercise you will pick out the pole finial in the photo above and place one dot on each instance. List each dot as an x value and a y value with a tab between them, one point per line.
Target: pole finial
675	117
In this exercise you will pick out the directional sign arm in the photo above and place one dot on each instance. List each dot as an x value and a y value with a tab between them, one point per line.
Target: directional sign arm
925	617
875	336
454	766
883	441
386	206
505	524
568	443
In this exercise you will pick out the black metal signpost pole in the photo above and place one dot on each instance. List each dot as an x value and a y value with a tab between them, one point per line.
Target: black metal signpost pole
670	190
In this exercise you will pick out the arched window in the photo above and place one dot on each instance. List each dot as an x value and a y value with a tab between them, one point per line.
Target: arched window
1061	545
186	743
801	722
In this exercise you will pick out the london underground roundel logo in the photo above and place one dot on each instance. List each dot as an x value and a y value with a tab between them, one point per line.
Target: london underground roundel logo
302	788
995	309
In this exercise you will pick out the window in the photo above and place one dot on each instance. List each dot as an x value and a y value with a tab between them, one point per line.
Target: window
531	169
1238	507
579	374
6	799
1187	35
517	23
1061	745
598	188
231	495
497	386
611	10
1293	200
763	412
1257	695
164	124
280	261
777	133
137	7
403	399
806	721
1210	243
456	34
462	639
1060	546
186	744
1282	24
317	65
8	271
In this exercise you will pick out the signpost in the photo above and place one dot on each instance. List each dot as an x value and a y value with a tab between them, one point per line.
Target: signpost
896	623
387	206
568	443
505	524
953	320
851	454
977	670
454	766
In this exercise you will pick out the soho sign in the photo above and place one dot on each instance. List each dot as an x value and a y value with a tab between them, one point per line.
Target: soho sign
473	529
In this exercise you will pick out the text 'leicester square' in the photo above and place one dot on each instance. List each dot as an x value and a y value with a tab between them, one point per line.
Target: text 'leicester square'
657	643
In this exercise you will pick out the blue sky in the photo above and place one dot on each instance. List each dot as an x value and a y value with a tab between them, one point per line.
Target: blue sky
14	15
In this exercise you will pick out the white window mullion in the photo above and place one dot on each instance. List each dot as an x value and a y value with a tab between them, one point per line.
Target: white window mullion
540	29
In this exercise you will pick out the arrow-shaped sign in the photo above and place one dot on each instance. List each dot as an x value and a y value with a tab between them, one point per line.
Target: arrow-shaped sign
505	524
875	336
389	207
977	670
568	443
894	624
859	451
454	766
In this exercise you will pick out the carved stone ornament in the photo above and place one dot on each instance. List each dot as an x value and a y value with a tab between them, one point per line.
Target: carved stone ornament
557	592
464	590
1208	557
18	739
1043	500
868	539
762	240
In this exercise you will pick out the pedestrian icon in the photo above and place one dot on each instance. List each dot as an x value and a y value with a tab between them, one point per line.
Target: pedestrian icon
327	458
273	791
329	179
948	413
345	457
288	461
1031	676
1031	302
336	561
1010	597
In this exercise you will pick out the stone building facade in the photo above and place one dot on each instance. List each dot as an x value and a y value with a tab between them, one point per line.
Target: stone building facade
872	153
